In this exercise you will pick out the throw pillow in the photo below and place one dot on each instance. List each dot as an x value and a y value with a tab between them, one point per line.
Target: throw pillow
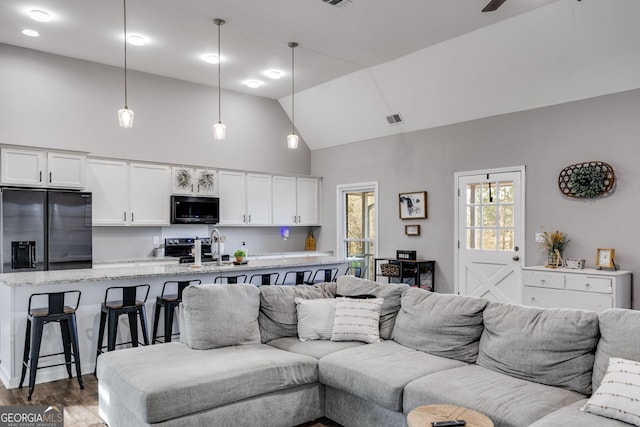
618	396
357	320
315	318
220	315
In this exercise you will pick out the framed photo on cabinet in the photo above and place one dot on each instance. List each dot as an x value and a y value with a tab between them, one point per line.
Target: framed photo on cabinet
413	205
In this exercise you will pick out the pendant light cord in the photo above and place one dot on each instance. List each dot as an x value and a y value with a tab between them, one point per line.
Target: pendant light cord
293	98
218	23
293	45
125	54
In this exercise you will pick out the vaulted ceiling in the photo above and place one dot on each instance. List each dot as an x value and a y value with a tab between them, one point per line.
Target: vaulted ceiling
433	61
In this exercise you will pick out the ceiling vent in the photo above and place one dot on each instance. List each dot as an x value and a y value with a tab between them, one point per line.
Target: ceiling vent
338	3
394	119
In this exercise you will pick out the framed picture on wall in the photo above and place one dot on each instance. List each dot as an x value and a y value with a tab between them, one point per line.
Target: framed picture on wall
413	205
412	230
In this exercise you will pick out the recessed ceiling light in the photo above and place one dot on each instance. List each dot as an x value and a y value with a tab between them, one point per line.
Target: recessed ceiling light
253	84
210	58
39	15
273	74
136	39
30	33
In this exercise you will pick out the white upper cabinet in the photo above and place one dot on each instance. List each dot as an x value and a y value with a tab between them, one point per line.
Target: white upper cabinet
245	199
108	180
295	201
39	168
258	199
284	200
129	194
66	170
232	193
308	192
194	181
150	188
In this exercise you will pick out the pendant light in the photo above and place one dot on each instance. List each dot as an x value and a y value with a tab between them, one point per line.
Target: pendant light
125	115
292	140
219	129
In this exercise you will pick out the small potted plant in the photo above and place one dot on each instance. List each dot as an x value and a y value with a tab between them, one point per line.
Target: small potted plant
240	255
555	242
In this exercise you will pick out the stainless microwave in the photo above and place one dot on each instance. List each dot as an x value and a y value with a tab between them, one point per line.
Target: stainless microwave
195	210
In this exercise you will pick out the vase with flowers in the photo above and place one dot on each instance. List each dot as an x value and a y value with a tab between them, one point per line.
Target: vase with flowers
555	242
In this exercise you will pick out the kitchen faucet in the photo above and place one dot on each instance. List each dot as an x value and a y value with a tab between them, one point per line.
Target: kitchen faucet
215	234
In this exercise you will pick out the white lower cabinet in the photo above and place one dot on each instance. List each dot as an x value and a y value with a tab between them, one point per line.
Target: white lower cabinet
588	289
129	193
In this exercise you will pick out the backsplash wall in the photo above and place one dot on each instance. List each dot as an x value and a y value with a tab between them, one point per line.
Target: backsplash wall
130	243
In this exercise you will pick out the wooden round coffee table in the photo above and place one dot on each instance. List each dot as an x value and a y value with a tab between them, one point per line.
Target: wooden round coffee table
423	416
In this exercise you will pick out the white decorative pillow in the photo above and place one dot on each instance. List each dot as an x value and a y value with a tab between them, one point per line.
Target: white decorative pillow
357	320
618	396
315	318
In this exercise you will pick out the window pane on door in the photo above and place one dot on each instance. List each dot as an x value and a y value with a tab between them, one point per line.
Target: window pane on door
490	222
360	225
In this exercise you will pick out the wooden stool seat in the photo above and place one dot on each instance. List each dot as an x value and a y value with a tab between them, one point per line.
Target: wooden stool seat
120	304
41	312
423	416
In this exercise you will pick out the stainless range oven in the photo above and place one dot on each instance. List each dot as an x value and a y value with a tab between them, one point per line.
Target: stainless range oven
183	246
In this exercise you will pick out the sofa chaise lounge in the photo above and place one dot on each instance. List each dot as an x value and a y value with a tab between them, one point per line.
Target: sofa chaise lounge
240	361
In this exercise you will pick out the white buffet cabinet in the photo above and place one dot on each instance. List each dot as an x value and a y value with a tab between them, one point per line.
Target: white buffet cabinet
588	289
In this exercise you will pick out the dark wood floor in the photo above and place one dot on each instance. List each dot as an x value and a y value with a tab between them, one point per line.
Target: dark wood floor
80	406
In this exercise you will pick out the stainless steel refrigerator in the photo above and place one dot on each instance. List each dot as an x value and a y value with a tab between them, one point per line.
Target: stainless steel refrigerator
44	230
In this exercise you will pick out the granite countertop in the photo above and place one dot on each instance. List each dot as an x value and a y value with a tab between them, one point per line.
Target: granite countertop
166	268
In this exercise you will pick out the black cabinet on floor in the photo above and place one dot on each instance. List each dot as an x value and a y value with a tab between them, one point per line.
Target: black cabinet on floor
419	273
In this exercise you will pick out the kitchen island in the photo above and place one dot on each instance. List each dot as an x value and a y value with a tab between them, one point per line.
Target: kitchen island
15	289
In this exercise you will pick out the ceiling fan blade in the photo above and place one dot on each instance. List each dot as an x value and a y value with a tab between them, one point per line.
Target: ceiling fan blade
493	5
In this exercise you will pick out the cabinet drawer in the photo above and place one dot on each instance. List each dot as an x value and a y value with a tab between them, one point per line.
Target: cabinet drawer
601	285
544	280
558	298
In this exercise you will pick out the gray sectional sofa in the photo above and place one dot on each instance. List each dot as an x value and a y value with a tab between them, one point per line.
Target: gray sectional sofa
240	362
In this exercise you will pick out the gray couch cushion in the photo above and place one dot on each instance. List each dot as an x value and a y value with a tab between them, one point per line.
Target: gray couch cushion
440	324
619	338
317	349
198	380
278	315
378	372
548	346
572	416
508	401
220	315
351	285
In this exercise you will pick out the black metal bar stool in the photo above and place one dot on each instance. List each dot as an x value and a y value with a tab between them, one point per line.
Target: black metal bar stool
169	302
130	305
55	311
326	275
242	278
301	277
266	279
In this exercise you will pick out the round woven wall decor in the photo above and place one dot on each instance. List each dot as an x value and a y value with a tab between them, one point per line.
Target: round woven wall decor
586	180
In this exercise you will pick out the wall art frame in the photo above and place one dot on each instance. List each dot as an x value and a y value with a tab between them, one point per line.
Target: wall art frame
413	205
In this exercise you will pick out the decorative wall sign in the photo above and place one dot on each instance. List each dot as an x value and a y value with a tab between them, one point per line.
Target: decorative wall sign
586	180
413	205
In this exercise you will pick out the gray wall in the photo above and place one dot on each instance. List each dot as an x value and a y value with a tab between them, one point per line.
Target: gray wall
58	102
544	140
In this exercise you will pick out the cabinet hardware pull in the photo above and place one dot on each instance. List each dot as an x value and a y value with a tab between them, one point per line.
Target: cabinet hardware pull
244	218
132	217
124	214
249	217
192	188
50	179
294	219
40	176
